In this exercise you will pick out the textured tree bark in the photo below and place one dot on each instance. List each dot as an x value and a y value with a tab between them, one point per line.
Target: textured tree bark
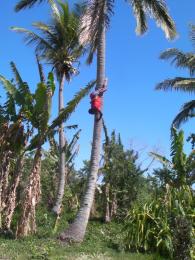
76	231
27	223
113	206
4	173
93	209
11	194
107	217
62	166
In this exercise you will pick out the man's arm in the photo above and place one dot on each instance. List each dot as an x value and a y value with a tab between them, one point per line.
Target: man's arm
103	88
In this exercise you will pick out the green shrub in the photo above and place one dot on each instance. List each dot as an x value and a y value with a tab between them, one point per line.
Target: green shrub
155	226
147	230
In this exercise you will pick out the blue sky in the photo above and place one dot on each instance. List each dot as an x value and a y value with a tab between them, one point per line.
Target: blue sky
132	106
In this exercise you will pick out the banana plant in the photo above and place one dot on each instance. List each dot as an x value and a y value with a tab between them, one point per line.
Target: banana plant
34	111
180	167
14	136
39	120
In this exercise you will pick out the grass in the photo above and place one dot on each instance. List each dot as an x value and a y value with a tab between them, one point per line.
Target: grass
101	242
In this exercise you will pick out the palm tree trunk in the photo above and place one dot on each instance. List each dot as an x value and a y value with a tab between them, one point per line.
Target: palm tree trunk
62	167
11	196
93	210
32	193
76	231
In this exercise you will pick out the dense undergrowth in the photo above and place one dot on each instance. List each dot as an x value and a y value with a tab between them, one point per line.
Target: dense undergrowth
102	242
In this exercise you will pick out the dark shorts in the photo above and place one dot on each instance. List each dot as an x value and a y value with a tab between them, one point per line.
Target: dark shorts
92	111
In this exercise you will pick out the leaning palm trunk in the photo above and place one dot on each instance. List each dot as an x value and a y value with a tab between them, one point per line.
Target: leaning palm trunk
77	229
62	166
32	192
11	195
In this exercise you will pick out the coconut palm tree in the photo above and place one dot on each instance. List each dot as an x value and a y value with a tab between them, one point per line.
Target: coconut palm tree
95	20
183	84
57	44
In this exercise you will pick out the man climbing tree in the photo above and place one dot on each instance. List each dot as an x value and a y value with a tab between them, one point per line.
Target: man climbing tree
96	100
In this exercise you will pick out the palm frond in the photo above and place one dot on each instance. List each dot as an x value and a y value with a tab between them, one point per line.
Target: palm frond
69	109
55	10
180	59
57	42
40	68
140	16
95	18
178	83
33	38
22	4
158	10
187	112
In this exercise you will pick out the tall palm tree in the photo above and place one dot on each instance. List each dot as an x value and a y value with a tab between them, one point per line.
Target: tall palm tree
94	22
183	84
93	31
57	44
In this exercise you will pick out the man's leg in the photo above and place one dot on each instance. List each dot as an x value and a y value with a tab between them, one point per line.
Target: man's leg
92	111
100	115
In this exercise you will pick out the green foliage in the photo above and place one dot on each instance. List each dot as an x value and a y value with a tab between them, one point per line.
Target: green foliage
180	167
121	173
22	4
150	228
97	13
181	60
57	42
165	224
69	109
100	243
147	229
182	241
191	139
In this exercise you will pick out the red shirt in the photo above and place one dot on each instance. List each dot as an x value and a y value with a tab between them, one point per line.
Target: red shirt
96	103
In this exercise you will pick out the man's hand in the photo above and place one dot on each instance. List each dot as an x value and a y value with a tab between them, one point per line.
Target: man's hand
105	83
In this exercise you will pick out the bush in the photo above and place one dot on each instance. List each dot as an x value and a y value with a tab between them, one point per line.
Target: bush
147	230
163	226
